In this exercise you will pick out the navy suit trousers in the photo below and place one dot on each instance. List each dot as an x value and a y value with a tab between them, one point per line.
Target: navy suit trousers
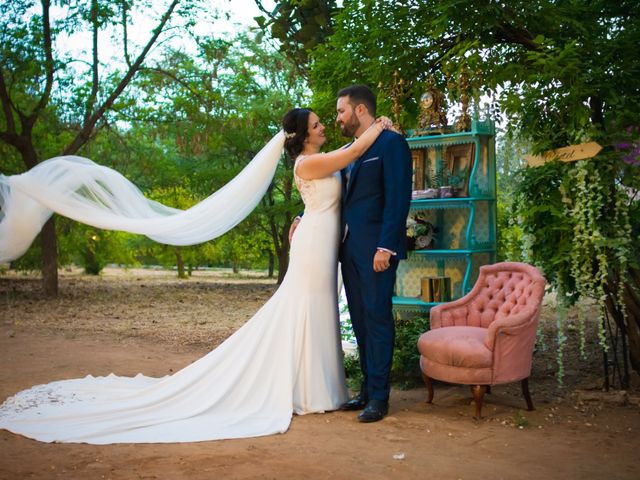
369	296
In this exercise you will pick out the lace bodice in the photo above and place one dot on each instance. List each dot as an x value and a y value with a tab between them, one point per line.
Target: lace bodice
319	194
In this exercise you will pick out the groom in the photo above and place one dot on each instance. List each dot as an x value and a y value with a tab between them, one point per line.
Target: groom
376	191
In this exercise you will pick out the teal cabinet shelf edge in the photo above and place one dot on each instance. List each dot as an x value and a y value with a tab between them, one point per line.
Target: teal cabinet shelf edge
460	202
478	128
412	304
452	252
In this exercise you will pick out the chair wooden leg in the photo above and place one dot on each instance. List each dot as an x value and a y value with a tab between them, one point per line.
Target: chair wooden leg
429	384
478	395
527	395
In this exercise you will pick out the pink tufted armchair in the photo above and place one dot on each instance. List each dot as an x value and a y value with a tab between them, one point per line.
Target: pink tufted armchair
486	337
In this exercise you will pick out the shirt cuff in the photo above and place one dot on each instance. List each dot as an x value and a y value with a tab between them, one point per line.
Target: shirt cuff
382	249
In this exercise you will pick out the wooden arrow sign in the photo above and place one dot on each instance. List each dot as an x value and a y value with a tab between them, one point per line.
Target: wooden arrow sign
571	153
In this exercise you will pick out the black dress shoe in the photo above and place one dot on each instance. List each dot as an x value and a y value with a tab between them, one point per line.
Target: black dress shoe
356	403
374	411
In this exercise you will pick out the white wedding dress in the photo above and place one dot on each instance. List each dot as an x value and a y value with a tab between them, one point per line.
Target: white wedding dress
286	359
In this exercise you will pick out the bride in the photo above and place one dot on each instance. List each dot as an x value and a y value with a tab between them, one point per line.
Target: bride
286	359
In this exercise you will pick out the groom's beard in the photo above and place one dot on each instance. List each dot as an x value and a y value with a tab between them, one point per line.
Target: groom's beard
350	129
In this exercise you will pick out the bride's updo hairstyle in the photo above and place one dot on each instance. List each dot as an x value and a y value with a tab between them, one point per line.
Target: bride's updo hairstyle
295	125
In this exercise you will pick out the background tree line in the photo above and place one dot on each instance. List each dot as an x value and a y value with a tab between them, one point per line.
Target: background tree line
178	122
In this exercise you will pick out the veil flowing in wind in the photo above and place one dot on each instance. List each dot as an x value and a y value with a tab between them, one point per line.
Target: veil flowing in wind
286	359
82	190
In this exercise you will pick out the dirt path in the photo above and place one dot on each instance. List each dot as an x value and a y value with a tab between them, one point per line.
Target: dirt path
579	434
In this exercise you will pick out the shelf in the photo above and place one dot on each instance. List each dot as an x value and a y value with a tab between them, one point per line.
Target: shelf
452	252
413	303
465	237
463	202
479	128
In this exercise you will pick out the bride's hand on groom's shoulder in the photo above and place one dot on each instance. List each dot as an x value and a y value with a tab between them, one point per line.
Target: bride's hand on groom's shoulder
386	123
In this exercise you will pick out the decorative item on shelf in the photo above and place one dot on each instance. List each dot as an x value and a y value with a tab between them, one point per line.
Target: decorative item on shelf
424	194
441	179
459	184
435	289
445	191
397	91
458	164
420	233
433	115
419	164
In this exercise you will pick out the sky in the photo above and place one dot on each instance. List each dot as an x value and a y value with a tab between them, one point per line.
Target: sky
240	15
242	12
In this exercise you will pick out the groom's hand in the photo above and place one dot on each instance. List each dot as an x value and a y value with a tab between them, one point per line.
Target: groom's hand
381	261
292	228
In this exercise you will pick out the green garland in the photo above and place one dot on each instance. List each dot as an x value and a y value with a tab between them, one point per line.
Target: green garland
576	227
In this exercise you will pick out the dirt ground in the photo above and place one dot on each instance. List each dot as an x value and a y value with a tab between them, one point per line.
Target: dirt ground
149	321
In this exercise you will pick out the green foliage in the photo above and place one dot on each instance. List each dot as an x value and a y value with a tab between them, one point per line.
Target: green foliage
521	421
300	26
183	129
578	226
94	249
353	372
405	369
561	74
509	162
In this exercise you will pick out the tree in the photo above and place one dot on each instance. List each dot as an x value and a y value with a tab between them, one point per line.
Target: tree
299	26
561	72
37	82
221	106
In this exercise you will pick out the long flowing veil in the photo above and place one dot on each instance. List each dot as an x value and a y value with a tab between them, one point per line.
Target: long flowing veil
96	195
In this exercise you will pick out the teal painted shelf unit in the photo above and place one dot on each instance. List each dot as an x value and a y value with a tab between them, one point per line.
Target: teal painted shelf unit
465	224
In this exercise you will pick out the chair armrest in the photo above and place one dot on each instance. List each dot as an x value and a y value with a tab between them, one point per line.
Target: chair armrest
457	308
513	341
510	325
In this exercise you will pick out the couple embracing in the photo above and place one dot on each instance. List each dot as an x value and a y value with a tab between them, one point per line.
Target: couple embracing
287	358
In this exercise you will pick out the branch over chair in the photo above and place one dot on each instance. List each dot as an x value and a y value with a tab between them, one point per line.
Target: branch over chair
486	337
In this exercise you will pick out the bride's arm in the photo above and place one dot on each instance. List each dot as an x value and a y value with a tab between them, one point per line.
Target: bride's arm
320	165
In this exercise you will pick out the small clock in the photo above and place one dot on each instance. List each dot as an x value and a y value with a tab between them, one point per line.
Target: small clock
426	100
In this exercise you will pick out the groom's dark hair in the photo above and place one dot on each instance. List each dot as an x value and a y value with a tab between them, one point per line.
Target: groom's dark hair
360	94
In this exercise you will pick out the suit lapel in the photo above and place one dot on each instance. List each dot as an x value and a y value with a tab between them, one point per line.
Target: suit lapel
357	164
354	170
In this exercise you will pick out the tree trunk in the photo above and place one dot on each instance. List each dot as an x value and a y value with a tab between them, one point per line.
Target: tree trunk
180	264
272	264
283	263
23	141
631	322
283	251
49	258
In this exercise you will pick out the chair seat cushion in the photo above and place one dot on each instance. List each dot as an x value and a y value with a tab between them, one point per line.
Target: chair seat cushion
456	347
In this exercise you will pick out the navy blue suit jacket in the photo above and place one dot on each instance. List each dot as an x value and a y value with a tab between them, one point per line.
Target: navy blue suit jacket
375	200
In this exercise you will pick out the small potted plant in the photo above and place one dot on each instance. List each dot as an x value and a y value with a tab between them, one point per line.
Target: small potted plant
457	182
445	190
432	185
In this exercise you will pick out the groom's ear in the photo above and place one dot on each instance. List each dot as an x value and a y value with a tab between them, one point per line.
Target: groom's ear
361	109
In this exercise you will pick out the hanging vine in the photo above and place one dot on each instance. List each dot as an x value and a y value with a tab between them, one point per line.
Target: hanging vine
589	262
575	225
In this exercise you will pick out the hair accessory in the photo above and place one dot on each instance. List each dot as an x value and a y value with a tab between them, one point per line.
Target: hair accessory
289	135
